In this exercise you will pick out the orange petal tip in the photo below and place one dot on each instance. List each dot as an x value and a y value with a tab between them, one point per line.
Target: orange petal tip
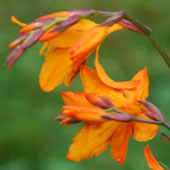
152	162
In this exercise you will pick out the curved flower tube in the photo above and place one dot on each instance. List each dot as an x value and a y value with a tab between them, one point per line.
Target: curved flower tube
70	40
98	132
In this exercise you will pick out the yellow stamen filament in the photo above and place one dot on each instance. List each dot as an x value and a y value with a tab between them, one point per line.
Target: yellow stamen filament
14	20
43	48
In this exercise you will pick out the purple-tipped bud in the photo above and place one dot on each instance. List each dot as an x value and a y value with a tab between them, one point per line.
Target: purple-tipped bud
99	101
130	26
70	121
13	57
81	11
33	39
17	41
114	19
164	136
66	24
118	117
152	111
61	116
36	25
107	102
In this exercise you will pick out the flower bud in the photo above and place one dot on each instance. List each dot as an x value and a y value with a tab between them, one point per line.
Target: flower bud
152	111
118	117
13	57
99	101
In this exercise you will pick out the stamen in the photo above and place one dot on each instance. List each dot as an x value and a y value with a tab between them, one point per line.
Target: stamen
43	48
16	21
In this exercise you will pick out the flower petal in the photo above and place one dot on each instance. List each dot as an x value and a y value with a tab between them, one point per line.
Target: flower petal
56	66
120	140
141	92
143	131
109	82
152	162
71	35
75	98
91	140
92	84
89	41
83	113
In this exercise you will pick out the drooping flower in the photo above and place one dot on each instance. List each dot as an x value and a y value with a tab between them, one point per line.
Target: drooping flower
152	162
99	131
70	40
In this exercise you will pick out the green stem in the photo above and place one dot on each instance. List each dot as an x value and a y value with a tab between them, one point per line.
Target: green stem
160	49
146	30
165	124
165	166
137	119
151	37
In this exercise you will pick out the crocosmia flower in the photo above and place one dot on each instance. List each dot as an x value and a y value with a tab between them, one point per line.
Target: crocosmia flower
68	38
152	162
103	128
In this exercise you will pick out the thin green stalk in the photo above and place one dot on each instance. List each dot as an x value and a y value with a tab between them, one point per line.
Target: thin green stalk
146	30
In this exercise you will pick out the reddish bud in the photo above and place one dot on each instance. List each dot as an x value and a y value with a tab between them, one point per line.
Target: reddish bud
107	101
60	117
81	11
164	136
152	111
118	117
13	57
33	39
99	101
36	25
66	24
115	18
17	41
69	121
130	26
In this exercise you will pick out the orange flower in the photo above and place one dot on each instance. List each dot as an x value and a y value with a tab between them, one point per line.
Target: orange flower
152	162
70	40
98	132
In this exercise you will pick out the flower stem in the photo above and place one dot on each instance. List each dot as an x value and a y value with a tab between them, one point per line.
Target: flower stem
160	49
165	124
151	37
138	119
145	29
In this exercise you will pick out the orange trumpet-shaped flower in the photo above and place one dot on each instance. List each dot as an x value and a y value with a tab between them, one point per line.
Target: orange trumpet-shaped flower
152	162
70	40
98	131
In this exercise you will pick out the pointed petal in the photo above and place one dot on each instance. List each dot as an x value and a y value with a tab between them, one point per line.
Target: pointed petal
152	162
56	66
119	143
88	42
75	98
91	140
71	35
109	82
143	131
141	92
92	84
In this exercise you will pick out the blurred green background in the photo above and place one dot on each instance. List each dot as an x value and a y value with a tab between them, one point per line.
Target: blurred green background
30	139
